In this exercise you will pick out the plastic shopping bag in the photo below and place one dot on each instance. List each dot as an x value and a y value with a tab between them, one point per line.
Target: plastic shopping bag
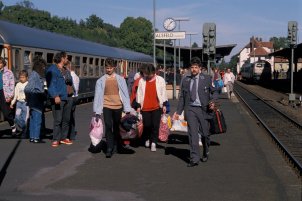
164	130
96	131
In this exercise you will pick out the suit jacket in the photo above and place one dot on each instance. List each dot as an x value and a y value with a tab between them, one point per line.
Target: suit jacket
204	92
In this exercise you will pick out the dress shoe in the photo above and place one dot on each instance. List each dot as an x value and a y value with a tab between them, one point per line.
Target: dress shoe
109	153
192	164
205	157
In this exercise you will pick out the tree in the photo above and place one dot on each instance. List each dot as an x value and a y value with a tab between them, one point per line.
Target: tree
26	4
194	45
279	43
1	6
137	34
93	22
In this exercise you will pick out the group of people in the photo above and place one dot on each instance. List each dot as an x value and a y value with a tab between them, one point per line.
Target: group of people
148	97
29	96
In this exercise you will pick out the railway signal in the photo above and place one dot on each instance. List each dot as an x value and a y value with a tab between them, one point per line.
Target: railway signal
292	32
209	41
292	39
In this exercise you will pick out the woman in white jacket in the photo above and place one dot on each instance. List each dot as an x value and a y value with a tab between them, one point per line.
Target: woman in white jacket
228	80
151	99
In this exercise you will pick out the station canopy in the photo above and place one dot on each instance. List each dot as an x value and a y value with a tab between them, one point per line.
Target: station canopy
221	51
286	52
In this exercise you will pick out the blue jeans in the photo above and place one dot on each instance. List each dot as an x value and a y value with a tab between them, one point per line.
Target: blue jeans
35	124
21	114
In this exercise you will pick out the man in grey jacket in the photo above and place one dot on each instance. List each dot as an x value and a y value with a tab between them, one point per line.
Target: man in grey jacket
194	99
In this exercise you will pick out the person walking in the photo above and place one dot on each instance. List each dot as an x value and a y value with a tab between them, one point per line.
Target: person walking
57	90
151	99
7	87
110	99
22	110
194	98
75	85
35	97
228	80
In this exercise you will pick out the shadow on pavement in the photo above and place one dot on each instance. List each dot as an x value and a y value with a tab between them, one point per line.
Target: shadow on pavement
183	154
7	162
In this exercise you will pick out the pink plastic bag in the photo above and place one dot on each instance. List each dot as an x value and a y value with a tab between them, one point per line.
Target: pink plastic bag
164	130
96	131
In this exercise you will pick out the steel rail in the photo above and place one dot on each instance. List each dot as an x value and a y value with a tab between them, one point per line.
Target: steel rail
292	158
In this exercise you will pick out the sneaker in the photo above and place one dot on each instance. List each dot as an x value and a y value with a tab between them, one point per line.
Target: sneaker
66	141
147	143
14	130
153	146
55	144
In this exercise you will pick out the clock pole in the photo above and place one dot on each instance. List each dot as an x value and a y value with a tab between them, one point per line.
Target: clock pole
154	49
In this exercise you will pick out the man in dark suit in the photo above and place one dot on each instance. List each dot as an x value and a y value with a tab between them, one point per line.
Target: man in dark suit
194	100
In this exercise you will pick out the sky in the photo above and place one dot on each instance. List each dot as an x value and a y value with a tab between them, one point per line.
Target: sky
236	20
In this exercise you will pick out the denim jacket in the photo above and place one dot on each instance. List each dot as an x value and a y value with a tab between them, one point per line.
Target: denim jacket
34	91
98	102
56	83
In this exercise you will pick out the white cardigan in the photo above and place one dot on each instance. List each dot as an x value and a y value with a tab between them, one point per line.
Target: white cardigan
160	90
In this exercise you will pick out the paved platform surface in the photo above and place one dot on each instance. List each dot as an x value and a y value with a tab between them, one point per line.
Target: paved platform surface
243	165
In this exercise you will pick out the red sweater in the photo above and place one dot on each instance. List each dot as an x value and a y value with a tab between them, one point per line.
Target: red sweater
150	100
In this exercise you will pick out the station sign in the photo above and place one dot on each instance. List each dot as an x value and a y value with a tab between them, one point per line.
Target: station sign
169	35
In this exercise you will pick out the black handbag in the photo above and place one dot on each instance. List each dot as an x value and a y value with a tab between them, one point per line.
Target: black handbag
217	123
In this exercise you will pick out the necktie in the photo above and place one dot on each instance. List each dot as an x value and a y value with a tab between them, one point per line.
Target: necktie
193	90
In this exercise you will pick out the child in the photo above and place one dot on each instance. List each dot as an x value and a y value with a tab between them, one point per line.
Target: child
21	106
35	96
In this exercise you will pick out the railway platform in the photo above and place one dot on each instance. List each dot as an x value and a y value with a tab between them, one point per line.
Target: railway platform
243	164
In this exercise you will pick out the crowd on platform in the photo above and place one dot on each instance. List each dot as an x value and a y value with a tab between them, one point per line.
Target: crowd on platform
144	93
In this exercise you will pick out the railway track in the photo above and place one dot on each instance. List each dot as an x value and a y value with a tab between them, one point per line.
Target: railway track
285	131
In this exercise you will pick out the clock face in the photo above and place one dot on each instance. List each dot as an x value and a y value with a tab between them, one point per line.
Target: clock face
169	24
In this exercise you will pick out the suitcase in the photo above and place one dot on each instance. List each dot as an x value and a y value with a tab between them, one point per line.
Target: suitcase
217	123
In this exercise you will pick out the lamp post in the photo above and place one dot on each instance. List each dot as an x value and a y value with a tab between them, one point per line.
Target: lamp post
190	34
154	49
178	19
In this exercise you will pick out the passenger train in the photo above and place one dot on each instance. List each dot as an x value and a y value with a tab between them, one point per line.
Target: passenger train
257	71
19	44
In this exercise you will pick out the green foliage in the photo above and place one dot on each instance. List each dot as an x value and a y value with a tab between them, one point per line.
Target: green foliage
194	45
134	34
279	43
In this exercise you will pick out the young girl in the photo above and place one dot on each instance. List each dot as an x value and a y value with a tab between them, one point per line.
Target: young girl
21	106
35	96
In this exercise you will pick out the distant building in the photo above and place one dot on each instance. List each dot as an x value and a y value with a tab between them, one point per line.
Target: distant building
254	51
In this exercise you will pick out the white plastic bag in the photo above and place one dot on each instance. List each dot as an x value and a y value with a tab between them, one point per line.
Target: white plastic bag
179	125
224	90
96	131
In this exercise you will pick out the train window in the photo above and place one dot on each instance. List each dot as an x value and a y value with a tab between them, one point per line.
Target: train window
97	71
90	70
49	58
102	70
77	65
69	57
17	63
85	70
90	60
102	62
97	67
27	61
39	54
